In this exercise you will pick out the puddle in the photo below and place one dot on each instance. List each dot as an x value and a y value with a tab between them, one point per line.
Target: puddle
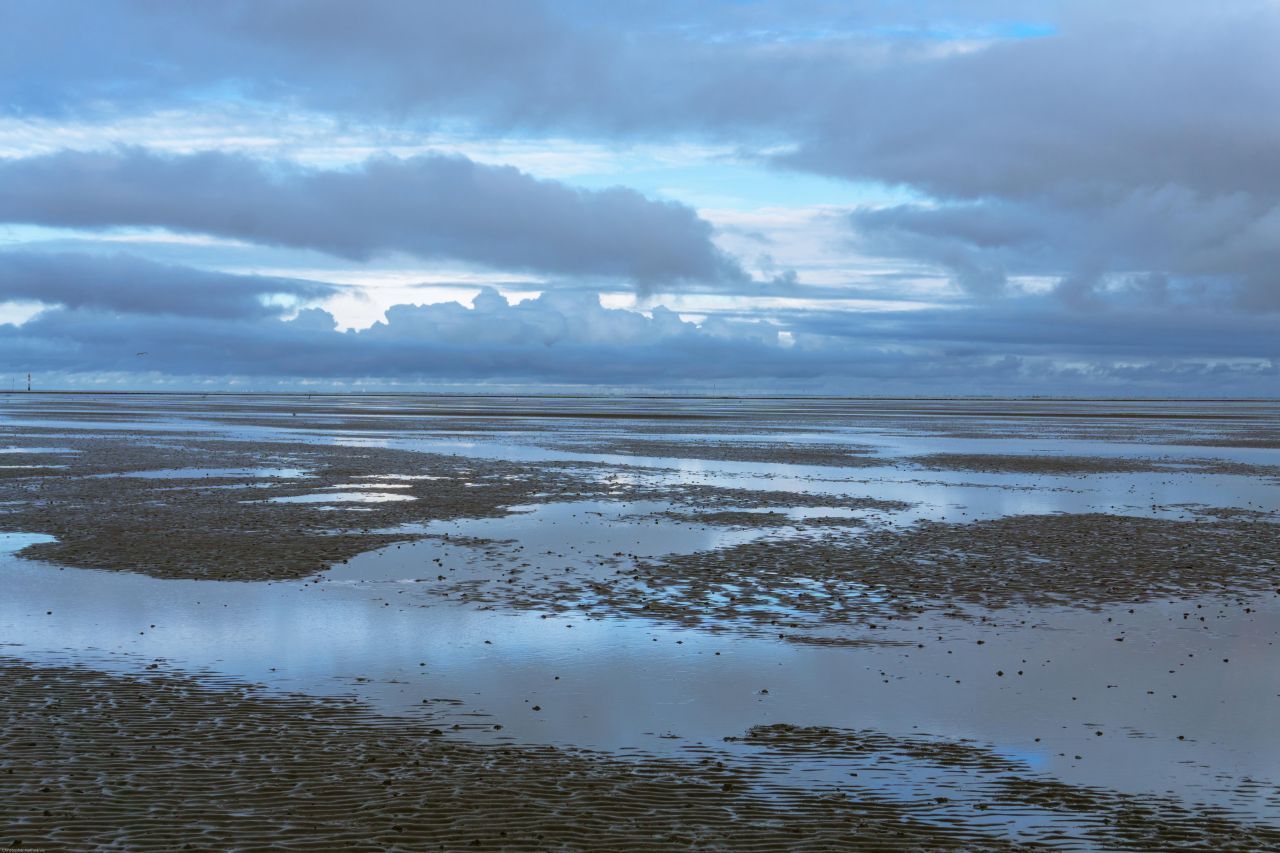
398	477
342	497
368	485
589	536
11	543
215	474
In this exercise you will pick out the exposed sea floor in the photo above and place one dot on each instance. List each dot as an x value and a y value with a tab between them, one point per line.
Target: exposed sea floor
937	622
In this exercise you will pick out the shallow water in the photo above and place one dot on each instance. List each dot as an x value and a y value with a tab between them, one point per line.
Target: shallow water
213	474
342	497
940	495
375	628
369	630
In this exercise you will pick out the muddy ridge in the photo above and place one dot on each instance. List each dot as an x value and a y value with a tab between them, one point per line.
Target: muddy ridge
1052	465
826	455
218	521
796	585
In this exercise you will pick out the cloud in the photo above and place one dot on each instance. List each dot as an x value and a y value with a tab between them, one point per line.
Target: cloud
131	285
1039	327
576	65
428	207
1124	153
1138	95
558	337
1023	345
1227	245
1138	140
1133	138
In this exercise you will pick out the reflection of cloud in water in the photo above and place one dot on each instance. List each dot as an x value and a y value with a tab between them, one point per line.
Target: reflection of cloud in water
621	680
342	497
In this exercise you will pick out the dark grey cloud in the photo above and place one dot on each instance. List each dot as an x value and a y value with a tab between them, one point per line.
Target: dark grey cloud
1226	246
1111	138
429	206
120	283
1126	95
1139	140
1039	327
616	67
377	55
880	91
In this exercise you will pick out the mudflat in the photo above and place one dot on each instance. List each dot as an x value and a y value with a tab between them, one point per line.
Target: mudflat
409	621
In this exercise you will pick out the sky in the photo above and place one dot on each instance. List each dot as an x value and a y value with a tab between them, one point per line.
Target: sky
1004	197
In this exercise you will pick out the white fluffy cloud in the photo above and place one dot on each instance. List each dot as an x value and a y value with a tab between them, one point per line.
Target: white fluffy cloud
569	338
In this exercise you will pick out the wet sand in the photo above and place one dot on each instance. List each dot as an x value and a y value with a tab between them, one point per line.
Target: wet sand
737	451
1059	560
1067	465
638	622
161	762
194	509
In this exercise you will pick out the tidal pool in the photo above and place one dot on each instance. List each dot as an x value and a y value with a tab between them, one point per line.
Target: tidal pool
370	629
1186	704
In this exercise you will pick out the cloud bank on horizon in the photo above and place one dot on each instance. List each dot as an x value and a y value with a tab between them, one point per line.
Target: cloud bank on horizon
930	197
